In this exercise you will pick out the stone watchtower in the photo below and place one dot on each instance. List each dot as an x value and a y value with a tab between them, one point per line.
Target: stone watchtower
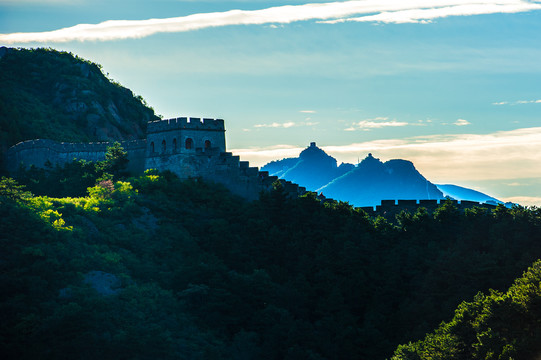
175	144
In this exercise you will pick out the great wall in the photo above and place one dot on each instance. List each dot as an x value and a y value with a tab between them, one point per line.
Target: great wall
190	148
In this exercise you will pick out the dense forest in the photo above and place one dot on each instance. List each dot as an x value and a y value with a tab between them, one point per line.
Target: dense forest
111	266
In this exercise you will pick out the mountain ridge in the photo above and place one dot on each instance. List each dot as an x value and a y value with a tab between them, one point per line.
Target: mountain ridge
367	183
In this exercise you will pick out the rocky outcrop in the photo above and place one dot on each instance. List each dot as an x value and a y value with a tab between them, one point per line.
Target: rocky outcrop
58	96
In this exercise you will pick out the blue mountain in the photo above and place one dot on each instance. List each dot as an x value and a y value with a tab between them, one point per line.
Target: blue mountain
312	169
367	183
372	181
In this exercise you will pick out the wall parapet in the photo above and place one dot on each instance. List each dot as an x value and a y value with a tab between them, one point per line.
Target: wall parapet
191	123
64	147
389	208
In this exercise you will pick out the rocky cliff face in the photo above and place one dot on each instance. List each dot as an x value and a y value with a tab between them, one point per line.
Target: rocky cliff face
58	96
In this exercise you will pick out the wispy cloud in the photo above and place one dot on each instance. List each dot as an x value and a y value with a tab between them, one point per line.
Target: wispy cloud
386	11
308	111
425	13
462	122
518	102
505	155
40	2
286	125
276	125
259	156
375	123
524	200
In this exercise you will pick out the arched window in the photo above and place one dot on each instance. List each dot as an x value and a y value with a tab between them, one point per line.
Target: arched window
152	147
163	147
189	143
207	144
175	145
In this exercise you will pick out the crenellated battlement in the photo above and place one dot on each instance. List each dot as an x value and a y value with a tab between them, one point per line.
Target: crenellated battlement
64	147
389	208
186	123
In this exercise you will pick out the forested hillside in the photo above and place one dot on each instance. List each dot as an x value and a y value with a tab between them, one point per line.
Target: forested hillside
492	326
56	95
154	267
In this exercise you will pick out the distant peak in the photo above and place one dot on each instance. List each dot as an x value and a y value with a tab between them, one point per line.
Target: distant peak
369	157
312	152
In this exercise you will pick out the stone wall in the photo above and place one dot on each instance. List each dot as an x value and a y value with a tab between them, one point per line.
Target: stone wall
222	168
190	148
389	208
41	151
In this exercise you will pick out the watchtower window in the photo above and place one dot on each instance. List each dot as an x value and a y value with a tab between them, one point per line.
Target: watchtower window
189	143
152	147
163	146
207	144
175	145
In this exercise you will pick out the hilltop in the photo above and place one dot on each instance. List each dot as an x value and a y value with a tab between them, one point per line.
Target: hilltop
56	95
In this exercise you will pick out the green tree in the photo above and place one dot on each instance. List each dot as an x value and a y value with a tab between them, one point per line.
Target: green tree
116	160
10	189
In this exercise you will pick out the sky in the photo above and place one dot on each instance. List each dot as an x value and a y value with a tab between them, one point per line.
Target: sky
452	85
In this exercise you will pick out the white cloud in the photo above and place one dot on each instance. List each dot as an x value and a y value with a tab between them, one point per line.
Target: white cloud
287	124
462	122
375	123
276	125
524	200
518	102
40	2
259	156
387	11
308	111
443	9
455	158
507	155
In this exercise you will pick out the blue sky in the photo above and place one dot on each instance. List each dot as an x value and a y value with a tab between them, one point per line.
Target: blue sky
452	85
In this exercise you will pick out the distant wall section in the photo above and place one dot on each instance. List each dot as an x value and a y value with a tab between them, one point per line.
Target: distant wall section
390	208
40	152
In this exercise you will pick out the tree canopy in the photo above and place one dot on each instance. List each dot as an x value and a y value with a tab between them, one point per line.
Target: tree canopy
195	272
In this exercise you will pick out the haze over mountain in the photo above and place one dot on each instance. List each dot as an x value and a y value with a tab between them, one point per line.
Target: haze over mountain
367	183
312	169
372	181
462	193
